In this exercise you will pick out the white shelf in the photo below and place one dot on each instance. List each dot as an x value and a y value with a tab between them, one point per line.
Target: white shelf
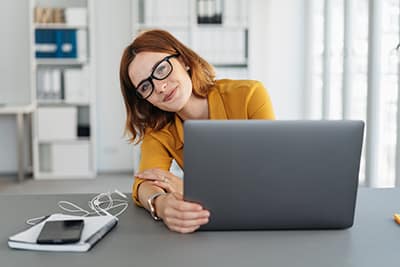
79	140
155	26
43	102
62	26
144	26
221	26
60	62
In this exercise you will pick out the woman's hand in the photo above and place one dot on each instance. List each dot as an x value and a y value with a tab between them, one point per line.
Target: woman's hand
164	179
179	215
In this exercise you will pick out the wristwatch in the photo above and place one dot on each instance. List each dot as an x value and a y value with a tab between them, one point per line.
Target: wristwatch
150	202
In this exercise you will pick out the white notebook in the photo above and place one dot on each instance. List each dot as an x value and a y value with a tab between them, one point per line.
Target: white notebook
94	229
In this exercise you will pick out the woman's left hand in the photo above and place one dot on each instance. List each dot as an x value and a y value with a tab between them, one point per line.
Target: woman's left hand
164	179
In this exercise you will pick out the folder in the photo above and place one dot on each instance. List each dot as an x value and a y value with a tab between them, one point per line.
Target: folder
56	43
95	228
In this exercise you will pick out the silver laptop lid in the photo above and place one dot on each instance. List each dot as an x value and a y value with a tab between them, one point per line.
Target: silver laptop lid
255	174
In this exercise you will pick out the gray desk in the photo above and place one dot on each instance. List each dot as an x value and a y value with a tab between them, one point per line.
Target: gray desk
19	111
374	240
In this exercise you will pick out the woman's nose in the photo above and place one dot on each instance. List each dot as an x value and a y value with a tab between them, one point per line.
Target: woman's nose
160	86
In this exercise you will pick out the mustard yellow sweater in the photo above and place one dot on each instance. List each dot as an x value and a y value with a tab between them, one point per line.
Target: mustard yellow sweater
230	99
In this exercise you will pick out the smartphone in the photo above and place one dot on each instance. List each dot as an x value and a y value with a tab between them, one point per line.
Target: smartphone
61	232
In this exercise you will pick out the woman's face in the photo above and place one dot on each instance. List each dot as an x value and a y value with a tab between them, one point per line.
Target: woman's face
161	79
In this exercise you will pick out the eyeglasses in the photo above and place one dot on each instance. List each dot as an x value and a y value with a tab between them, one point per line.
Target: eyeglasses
160	72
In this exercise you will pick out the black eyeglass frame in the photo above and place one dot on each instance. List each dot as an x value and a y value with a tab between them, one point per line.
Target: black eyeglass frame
151	77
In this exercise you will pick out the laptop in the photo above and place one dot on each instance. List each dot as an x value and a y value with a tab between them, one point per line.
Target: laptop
258	174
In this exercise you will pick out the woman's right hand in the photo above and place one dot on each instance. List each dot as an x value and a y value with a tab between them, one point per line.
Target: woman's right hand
179	215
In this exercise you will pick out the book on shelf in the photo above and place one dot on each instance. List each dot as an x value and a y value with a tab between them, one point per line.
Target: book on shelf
48	83
55	43
95	228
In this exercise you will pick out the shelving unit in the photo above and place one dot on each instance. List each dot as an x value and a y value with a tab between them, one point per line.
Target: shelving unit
216	29
64	120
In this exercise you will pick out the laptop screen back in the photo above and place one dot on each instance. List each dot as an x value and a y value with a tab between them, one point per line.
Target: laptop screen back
255	174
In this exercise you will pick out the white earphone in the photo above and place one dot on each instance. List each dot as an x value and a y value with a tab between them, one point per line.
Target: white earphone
101	204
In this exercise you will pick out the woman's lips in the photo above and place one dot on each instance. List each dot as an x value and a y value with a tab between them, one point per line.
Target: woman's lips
170	95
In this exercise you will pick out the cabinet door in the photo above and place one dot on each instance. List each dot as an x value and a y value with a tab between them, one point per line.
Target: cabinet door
71	159
57	123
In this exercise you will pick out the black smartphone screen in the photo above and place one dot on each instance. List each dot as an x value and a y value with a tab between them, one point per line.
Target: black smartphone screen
60	232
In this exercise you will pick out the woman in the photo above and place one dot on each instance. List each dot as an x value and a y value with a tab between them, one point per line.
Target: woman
165	83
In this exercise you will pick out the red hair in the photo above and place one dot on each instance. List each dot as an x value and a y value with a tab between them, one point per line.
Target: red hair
141	115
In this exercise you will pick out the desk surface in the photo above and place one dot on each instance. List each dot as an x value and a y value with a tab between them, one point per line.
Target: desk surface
374	240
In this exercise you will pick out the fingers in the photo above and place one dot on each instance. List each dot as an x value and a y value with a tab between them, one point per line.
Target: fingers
169	186
187	215
152	172
182	216
156	174
166	186
186	222
150	175
185	206
178	195
164	179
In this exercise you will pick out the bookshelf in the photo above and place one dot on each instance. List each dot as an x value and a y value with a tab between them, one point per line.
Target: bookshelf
64	120
216	29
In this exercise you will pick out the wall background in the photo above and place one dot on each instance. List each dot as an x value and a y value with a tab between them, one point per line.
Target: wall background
276	53
15	74
276	45
113	33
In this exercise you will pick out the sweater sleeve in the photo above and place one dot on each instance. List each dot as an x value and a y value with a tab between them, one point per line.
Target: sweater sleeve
259	103
153	155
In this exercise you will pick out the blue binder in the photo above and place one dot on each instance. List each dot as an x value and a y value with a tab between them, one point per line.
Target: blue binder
55	43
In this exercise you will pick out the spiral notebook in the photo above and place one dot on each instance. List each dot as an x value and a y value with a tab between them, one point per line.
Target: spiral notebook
95	229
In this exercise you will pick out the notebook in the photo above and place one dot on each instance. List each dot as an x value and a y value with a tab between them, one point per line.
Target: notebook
95	228
258	174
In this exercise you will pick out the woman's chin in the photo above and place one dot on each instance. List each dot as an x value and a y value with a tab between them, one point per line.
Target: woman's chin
172	107
176	104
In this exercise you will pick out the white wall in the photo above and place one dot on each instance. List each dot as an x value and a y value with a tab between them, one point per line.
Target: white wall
113	33
14	52
14	74
276	48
